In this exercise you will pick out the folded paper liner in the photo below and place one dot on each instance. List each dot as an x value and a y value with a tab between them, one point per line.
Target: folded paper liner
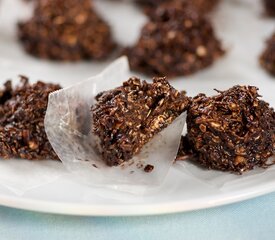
68	127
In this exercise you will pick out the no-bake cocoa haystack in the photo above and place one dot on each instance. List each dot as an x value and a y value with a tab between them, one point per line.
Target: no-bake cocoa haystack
232	131
267	59
66	30
127	117
22	112
202	6
176	41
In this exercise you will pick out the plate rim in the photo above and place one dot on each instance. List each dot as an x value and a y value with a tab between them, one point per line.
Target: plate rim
109	210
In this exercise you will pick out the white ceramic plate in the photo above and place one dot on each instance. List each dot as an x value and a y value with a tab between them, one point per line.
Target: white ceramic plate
46	186
178	194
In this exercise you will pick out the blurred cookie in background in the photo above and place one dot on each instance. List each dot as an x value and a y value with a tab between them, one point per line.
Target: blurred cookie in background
203	6
176	41
66	30
269	7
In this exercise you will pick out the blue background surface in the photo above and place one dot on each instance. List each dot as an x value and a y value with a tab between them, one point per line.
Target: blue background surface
252	219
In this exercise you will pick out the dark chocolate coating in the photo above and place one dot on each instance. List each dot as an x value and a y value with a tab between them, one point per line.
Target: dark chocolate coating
269	7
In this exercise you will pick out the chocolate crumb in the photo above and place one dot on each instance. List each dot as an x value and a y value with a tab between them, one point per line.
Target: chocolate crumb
232	131
176	41
94	165
66	30
22	112
149	168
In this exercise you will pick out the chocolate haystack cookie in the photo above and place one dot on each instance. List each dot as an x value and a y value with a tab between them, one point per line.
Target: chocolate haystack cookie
269	7
66	30
127	117
232	131
267	59
22	111
202	6
177	41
